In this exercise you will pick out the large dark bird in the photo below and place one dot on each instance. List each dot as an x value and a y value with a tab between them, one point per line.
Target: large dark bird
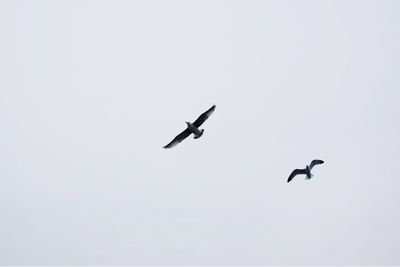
306	171
192	128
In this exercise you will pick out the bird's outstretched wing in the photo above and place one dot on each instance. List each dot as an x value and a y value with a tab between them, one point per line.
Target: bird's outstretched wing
203	117
296	172
179	138
315	162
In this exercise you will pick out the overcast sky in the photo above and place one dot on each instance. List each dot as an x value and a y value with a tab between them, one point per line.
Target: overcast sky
90	91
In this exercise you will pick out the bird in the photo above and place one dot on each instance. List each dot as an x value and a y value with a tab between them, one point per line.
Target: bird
306	171
192	128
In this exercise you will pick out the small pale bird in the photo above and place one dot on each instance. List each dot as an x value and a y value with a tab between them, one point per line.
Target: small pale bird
192	128
306	171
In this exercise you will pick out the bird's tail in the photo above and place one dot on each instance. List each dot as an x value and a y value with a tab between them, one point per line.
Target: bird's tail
309	177
201	133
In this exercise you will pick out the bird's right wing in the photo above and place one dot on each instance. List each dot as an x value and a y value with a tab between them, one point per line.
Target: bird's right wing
315	162
179	138
296	172
203	117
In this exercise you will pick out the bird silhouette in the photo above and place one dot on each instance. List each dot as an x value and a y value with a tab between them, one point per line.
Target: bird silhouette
306	171
192	128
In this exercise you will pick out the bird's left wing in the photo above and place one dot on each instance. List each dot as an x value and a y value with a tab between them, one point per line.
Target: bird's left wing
296	172
315	162
203	117
179	138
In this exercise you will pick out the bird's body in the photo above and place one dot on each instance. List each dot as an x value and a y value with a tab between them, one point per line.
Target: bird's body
192	128
306	171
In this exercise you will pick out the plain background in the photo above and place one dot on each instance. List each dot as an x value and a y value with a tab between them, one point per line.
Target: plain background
90	91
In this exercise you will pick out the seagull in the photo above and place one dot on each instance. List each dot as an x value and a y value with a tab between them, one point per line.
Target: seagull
306	171
192	128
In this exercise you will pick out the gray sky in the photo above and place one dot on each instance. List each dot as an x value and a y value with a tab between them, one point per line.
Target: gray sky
90	91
